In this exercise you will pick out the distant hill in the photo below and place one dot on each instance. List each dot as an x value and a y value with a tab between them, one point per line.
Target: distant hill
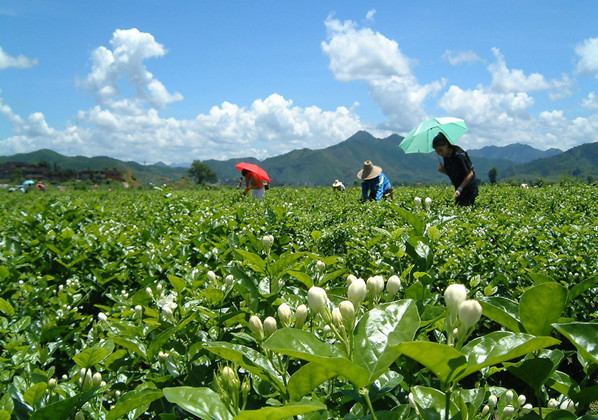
520	153
580	161
342	161
143	173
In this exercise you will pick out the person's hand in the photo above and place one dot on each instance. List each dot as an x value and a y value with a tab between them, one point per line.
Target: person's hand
457	193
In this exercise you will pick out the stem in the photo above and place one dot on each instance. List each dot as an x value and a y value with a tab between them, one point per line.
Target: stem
447	404
366	395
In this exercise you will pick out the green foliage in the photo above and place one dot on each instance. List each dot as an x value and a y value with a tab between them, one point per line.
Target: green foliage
202	172
142	303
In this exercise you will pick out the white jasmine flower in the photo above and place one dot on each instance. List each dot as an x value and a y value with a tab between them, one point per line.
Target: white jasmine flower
256	327
428	202
393	285
347	311
269	326
417	201
300	316
357	291
317	299
492	400
284	314
350	279
453	296
211	276
470	312
375	285
102	317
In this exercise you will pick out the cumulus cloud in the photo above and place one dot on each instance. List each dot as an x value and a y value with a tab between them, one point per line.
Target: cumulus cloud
19	62
361	54
588	57
462	57
591	102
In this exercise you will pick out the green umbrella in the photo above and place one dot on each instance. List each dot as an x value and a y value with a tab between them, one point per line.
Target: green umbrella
419	140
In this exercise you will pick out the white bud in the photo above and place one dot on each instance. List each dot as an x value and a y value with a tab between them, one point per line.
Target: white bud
52	382
211	276
509	396
96	380
284	314
521	400
168	313
417	201
485	410
300	316
508	410
453	296
162	356
375	285
148	290
317	299
470	312
159	287
64	377
552	403
350	279
269	326
139	310
428	202
337	318
102	317
527	408
117	393
267	242
357	291
229	280
256	327
320	266
568	405
393	285
492	400
347	311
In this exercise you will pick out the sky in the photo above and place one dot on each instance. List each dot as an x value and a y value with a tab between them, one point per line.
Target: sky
192	80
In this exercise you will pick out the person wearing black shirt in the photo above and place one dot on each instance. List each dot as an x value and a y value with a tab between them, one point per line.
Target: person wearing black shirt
457	165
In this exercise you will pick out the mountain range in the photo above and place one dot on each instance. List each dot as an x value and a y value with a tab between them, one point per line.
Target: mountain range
342	161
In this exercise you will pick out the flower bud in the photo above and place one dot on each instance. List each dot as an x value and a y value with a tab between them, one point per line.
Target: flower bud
231	379
229	280
102	317
267	242
428	202
159	287
453	296
552	403
211	276
393	285
139	310
337	318
485	410
347	311
417	201
300	316
79	416
470	312
375	285
320	266
269	326
509	396
168	313
317	299
256	327
568	405
162	356
508	410
357	291
284	314
350	279
492	400
521	400
148	290
52	382
527	408
96	380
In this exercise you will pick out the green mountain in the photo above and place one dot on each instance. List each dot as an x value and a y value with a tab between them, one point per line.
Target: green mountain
143	173
580	161
520	153
342	161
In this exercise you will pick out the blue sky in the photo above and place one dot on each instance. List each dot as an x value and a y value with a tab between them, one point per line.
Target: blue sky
176	81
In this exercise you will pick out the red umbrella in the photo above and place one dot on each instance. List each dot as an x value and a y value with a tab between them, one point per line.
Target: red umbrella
253	168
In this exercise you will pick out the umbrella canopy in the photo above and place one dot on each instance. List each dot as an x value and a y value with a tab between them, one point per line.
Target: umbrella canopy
419	140
29	182
253	168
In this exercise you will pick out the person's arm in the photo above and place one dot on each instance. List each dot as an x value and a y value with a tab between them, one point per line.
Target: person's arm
464	183
364	191
441	169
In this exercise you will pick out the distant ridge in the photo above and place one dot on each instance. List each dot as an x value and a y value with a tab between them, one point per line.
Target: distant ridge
520	153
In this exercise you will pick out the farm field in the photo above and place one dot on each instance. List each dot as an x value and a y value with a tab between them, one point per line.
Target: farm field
309	305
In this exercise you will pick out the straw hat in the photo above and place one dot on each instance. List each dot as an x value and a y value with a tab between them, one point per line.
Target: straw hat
337	183
369	171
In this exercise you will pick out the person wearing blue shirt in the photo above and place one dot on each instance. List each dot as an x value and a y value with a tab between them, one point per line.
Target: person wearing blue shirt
375	185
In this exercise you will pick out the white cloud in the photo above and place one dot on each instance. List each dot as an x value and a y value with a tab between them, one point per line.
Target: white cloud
362	54
369	17
591	102
462	57
588	53
19	62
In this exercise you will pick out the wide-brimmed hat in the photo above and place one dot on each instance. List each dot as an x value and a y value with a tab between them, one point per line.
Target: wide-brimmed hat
369	171
336	183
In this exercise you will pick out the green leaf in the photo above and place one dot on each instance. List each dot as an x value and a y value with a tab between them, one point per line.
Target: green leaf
202	402
540	306
4	273
255	261
452	365
131	344
178	283
384	326
584	336
307	378
411	218
533	372
33	394
284	261
4	415
63	409
302	277
89	357
580	288
249	359
562	383
431	398
304	345
281	412
560	415
502	311
133	400
6	307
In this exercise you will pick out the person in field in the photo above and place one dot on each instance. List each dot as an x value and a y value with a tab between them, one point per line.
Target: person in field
253	182
459	168
375	185
338	186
